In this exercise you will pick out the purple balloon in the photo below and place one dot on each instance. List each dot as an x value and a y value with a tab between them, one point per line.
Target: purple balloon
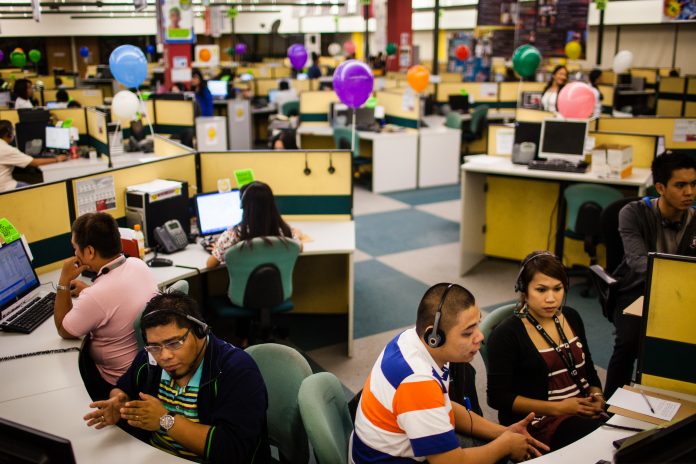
298	56
353	83
2	55
240	48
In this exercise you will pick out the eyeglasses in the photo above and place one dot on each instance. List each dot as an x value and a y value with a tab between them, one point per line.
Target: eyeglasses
171	346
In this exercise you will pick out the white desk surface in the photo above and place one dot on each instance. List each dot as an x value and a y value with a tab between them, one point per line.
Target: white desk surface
503	166
324	129
83	166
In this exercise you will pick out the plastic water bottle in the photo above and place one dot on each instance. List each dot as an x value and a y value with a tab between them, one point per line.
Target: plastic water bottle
140	238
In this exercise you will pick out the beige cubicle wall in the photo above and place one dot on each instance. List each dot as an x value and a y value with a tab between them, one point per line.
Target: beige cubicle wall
164	146
509	93
649	74
10	115
303	85
263	86
49	82
315	105
671	96
690	106
481	92
495	130
527	115
395	110
173	116
644	146
607	92
85	97
77	115
664	126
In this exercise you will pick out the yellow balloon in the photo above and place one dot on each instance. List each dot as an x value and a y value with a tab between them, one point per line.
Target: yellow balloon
573	49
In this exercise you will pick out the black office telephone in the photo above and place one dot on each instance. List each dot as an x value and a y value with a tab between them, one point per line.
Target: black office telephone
171	236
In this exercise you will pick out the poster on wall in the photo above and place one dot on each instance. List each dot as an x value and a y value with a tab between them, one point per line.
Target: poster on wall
177	21
678	10
559	22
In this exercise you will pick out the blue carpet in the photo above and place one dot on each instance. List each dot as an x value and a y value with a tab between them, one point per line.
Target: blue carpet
385	299
427	195
396	231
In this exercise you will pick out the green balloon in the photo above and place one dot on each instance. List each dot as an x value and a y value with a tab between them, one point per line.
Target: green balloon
526	60
18	59
230	51
371	102
34	56
391	49
232	13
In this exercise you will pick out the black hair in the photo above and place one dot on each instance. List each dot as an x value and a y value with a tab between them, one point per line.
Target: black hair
458	299
74	104
540	262
179	303
553	74
6	128
21	88
98	230
283	85
594	75
62	96
664	165
202	86
289	139
260	217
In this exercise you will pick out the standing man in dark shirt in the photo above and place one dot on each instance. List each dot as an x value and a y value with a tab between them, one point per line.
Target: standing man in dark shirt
666	225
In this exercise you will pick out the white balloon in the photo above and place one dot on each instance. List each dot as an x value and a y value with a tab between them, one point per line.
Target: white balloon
125	104
335	49
622	61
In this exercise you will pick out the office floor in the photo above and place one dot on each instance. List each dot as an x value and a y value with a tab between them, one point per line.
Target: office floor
406	242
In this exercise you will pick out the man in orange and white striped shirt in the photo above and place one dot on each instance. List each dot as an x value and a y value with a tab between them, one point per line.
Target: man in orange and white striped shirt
405	414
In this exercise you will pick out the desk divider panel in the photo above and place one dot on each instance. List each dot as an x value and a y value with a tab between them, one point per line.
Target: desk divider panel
280	72
149	106
690	106
509	93
492	141
482	92
644	146
395	112
650	75
668	348
450	77
96	130
49	82
318	196
527	115
607	92
165	146
42	214
301	85
173	116
86	97
671	96
314	105
262	86
78	116
648	125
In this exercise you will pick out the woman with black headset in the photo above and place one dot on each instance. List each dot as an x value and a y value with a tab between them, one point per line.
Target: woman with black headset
539	359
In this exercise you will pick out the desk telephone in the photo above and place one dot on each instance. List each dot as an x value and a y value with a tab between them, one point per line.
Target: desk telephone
171	236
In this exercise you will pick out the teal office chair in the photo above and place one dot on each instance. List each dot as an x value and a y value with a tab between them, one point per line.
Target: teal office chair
326	418
492	321
283	370
477	127
585	203
453	120
178	286
291	108
260	283
341	137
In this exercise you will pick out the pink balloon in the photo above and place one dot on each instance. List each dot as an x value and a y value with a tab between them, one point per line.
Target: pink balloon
576	101
349	47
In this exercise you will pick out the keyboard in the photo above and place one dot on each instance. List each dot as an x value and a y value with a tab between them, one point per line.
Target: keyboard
36	312
558	165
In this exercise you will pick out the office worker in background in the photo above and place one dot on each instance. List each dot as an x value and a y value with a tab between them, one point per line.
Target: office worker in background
314	71
665	224
11	157
526	372
284	140
188	392
285	94
559	77
405	414
107	308
62	99
203	96
594	76
24	94
259	219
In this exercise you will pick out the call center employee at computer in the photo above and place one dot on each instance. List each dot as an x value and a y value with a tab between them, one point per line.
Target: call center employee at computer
10	157
108	307
559	77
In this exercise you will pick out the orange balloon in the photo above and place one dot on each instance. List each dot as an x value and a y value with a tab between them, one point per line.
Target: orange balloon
418	77
204	54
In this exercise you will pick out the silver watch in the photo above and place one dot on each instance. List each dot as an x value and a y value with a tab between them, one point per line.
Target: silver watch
166	423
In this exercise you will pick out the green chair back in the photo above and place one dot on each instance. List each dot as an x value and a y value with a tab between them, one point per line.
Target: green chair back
290	107
344	133
178	286
578	194
326	418
490	322
478	119
283	370
453	120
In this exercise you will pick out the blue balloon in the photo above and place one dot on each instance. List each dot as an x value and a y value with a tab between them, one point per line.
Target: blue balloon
84	52
150	49
128	65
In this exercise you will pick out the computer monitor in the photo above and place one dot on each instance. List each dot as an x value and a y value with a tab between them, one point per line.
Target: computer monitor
5	98
34	115
217	212
17	276
528	132
218	88
364	117
343	116
25	445
563	139
31	137
272	95
302	76
531	100
459	103
52	105
672	444
58	138
624	79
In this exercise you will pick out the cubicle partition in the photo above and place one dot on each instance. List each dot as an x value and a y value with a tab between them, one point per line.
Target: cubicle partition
678	132
649	74
85	97
644	146
76	115
400	109
173	116
607	92
527	115
315	104
671	96
509	93
148	116
97	135
668	348
10	115
263	86
481	92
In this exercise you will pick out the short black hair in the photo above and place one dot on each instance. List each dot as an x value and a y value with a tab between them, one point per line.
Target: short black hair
594	75
664	165
6	128
62	96
458	299
283	85
21	88
100	231
170	307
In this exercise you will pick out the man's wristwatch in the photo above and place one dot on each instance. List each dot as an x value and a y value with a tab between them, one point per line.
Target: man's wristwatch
166	423
64	288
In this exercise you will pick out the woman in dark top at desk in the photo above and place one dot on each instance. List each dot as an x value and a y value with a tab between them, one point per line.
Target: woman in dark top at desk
559	77
260	219
203	96
539	360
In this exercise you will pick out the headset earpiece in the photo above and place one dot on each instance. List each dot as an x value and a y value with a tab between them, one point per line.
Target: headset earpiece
434	336
520	286
199	328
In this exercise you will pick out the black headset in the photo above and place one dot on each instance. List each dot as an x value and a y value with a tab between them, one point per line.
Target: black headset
200	329
521	286
435	337
106	269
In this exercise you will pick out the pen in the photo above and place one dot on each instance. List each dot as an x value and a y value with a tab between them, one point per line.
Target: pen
623	427
647	401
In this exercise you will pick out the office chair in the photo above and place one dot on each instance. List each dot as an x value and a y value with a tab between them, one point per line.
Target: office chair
260	283
492	321
283	370
291	108
477	127
585	203
341	137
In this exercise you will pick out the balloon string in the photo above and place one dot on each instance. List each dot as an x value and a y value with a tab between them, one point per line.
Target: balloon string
149	121
352	138
519	94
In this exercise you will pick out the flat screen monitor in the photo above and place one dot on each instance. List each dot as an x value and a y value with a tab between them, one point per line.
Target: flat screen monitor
5	98
217	212
531	100
563	139
302	77
58	138
272	95
17	276
31	137
459	103
624	79
672	444
52	105
218	88
34	115
24	445
528	132
343	116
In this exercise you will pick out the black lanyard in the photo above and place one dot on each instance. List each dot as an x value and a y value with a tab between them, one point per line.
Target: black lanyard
565	355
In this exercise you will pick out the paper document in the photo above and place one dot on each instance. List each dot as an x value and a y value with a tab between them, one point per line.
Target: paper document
635	308
504	139
665	410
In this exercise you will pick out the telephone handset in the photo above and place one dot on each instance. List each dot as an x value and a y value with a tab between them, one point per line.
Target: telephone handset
171	236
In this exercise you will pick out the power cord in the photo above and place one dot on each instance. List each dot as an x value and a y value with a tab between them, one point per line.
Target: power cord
39	353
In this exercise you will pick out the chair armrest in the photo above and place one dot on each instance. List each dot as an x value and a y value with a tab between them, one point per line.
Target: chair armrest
602	274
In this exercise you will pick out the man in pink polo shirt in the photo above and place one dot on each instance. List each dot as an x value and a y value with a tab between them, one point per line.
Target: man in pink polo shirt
107	308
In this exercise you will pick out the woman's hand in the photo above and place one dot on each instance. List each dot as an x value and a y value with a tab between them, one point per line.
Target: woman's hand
576	406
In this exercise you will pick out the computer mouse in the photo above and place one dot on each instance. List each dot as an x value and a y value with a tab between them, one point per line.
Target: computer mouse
160	262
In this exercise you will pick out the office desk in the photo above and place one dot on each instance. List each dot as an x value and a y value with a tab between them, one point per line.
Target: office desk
508	210
84	167
438	156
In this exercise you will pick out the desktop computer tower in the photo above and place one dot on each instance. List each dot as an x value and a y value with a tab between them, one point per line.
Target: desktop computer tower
153	207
